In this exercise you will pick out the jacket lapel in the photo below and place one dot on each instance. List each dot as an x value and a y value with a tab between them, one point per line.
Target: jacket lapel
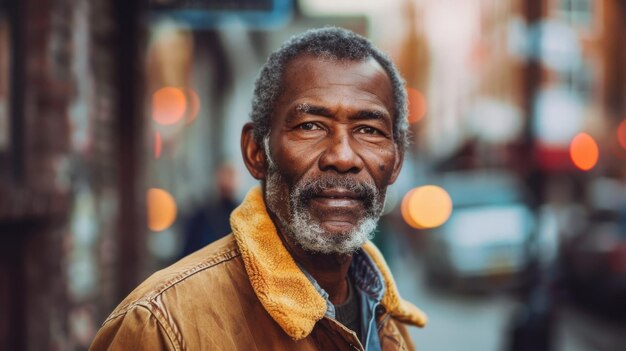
284	291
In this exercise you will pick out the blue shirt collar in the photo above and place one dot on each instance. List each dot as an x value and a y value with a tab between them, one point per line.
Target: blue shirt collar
366	276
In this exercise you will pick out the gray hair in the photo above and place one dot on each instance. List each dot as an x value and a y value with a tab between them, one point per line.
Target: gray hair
329	42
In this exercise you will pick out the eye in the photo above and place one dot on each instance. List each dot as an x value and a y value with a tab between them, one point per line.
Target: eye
309	126
369	130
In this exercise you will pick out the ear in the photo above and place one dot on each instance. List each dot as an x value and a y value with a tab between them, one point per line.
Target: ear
397	165
253	153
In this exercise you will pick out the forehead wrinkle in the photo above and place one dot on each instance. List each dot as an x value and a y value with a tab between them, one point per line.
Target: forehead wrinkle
311	88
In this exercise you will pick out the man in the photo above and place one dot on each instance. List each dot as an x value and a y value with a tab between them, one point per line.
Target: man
298	272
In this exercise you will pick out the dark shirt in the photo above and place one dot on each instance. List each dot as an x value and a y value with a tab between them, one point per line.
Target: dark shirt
369	286
349	312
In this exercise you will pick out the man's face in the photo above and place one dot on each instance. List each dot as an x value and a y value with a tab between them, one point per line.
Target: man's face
331	152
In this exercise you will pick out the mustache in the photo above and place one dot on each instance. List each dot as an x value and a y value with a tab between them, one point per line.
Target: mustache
311	188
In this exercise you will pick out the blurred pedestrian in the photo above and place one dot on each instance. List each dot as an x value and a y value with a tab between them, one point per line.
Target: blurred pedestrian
210	221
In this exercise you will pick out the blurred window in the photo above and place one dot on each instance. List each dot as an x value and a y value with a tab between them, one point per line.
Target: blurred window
579	15
580	80
576	12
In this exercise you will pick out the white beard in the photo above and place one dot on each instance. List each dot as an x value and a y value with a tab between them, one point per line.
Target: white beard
306	231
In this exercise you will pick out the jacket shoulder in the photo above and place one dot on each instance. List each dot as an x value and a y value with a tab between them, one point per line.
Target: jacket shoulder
200	291
188	273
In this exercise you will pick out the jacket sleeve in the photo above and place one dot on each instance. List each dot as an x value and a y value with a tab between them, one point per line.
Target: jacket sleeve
136	329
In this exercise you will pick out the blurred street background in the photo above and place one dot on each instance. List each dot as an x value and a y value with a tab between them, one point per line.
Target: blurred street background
119	153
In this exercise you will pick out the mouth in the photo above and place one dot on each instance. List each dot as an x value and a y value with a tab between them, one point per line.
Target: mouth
336	208
338	193
337	199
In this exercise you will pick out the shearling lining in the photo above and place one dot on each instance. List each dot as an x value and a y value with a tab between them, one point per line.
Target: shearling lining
283	289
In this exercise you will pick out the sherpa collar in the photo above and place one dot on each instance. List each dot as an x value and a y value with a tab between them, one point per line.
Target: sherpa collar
283	289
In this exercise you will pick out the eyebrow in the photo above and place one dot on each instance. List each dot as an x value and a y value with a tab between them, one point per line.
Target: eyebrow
306	108
369	114
313	110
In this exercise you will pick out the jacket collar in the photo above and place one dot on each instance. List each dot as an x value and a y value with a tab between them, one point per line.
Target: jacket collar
283	289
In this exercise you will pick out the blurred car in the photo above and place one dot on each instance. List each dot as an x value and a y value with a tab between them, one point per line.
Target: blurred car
594	265
484	243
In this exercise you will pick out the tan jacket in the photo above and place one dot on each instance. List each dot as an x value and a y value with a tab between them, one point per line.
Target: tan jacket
245	292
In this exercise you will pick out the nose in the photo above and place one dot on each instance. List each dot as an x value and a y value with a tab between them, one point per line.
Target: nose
340	155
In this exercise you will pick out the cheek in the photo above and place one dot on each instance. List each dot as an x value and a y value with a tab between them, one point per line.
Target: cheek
278	192
296	159
381	163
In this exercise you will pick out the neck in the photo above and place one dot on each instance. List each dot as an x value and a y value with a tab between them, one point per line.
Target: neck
329	270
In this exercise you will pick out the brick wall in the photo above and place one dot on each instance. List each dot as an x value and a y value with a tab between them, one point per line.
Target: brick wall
72	224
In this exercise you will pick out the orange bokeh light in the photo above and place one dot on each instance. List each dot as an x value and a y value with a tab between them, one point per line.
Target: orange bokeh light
194	105
417	105
404	210
427	206
621	134
168	105
162	209
584	151
158	144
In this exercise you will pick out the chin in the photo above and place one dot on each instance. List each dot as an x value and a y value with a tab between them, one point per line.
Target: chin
340	229
337	238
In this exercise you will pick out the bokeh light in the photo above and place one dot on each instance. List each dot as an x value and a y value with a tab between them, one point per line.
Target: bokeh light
158	144
404	210
417	105
168	105
584	151
194	105
427	206
162	209
621	134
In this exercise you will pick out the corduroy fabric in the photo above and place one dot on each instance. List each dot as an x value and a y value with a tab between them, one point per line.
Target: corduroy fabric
210	301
